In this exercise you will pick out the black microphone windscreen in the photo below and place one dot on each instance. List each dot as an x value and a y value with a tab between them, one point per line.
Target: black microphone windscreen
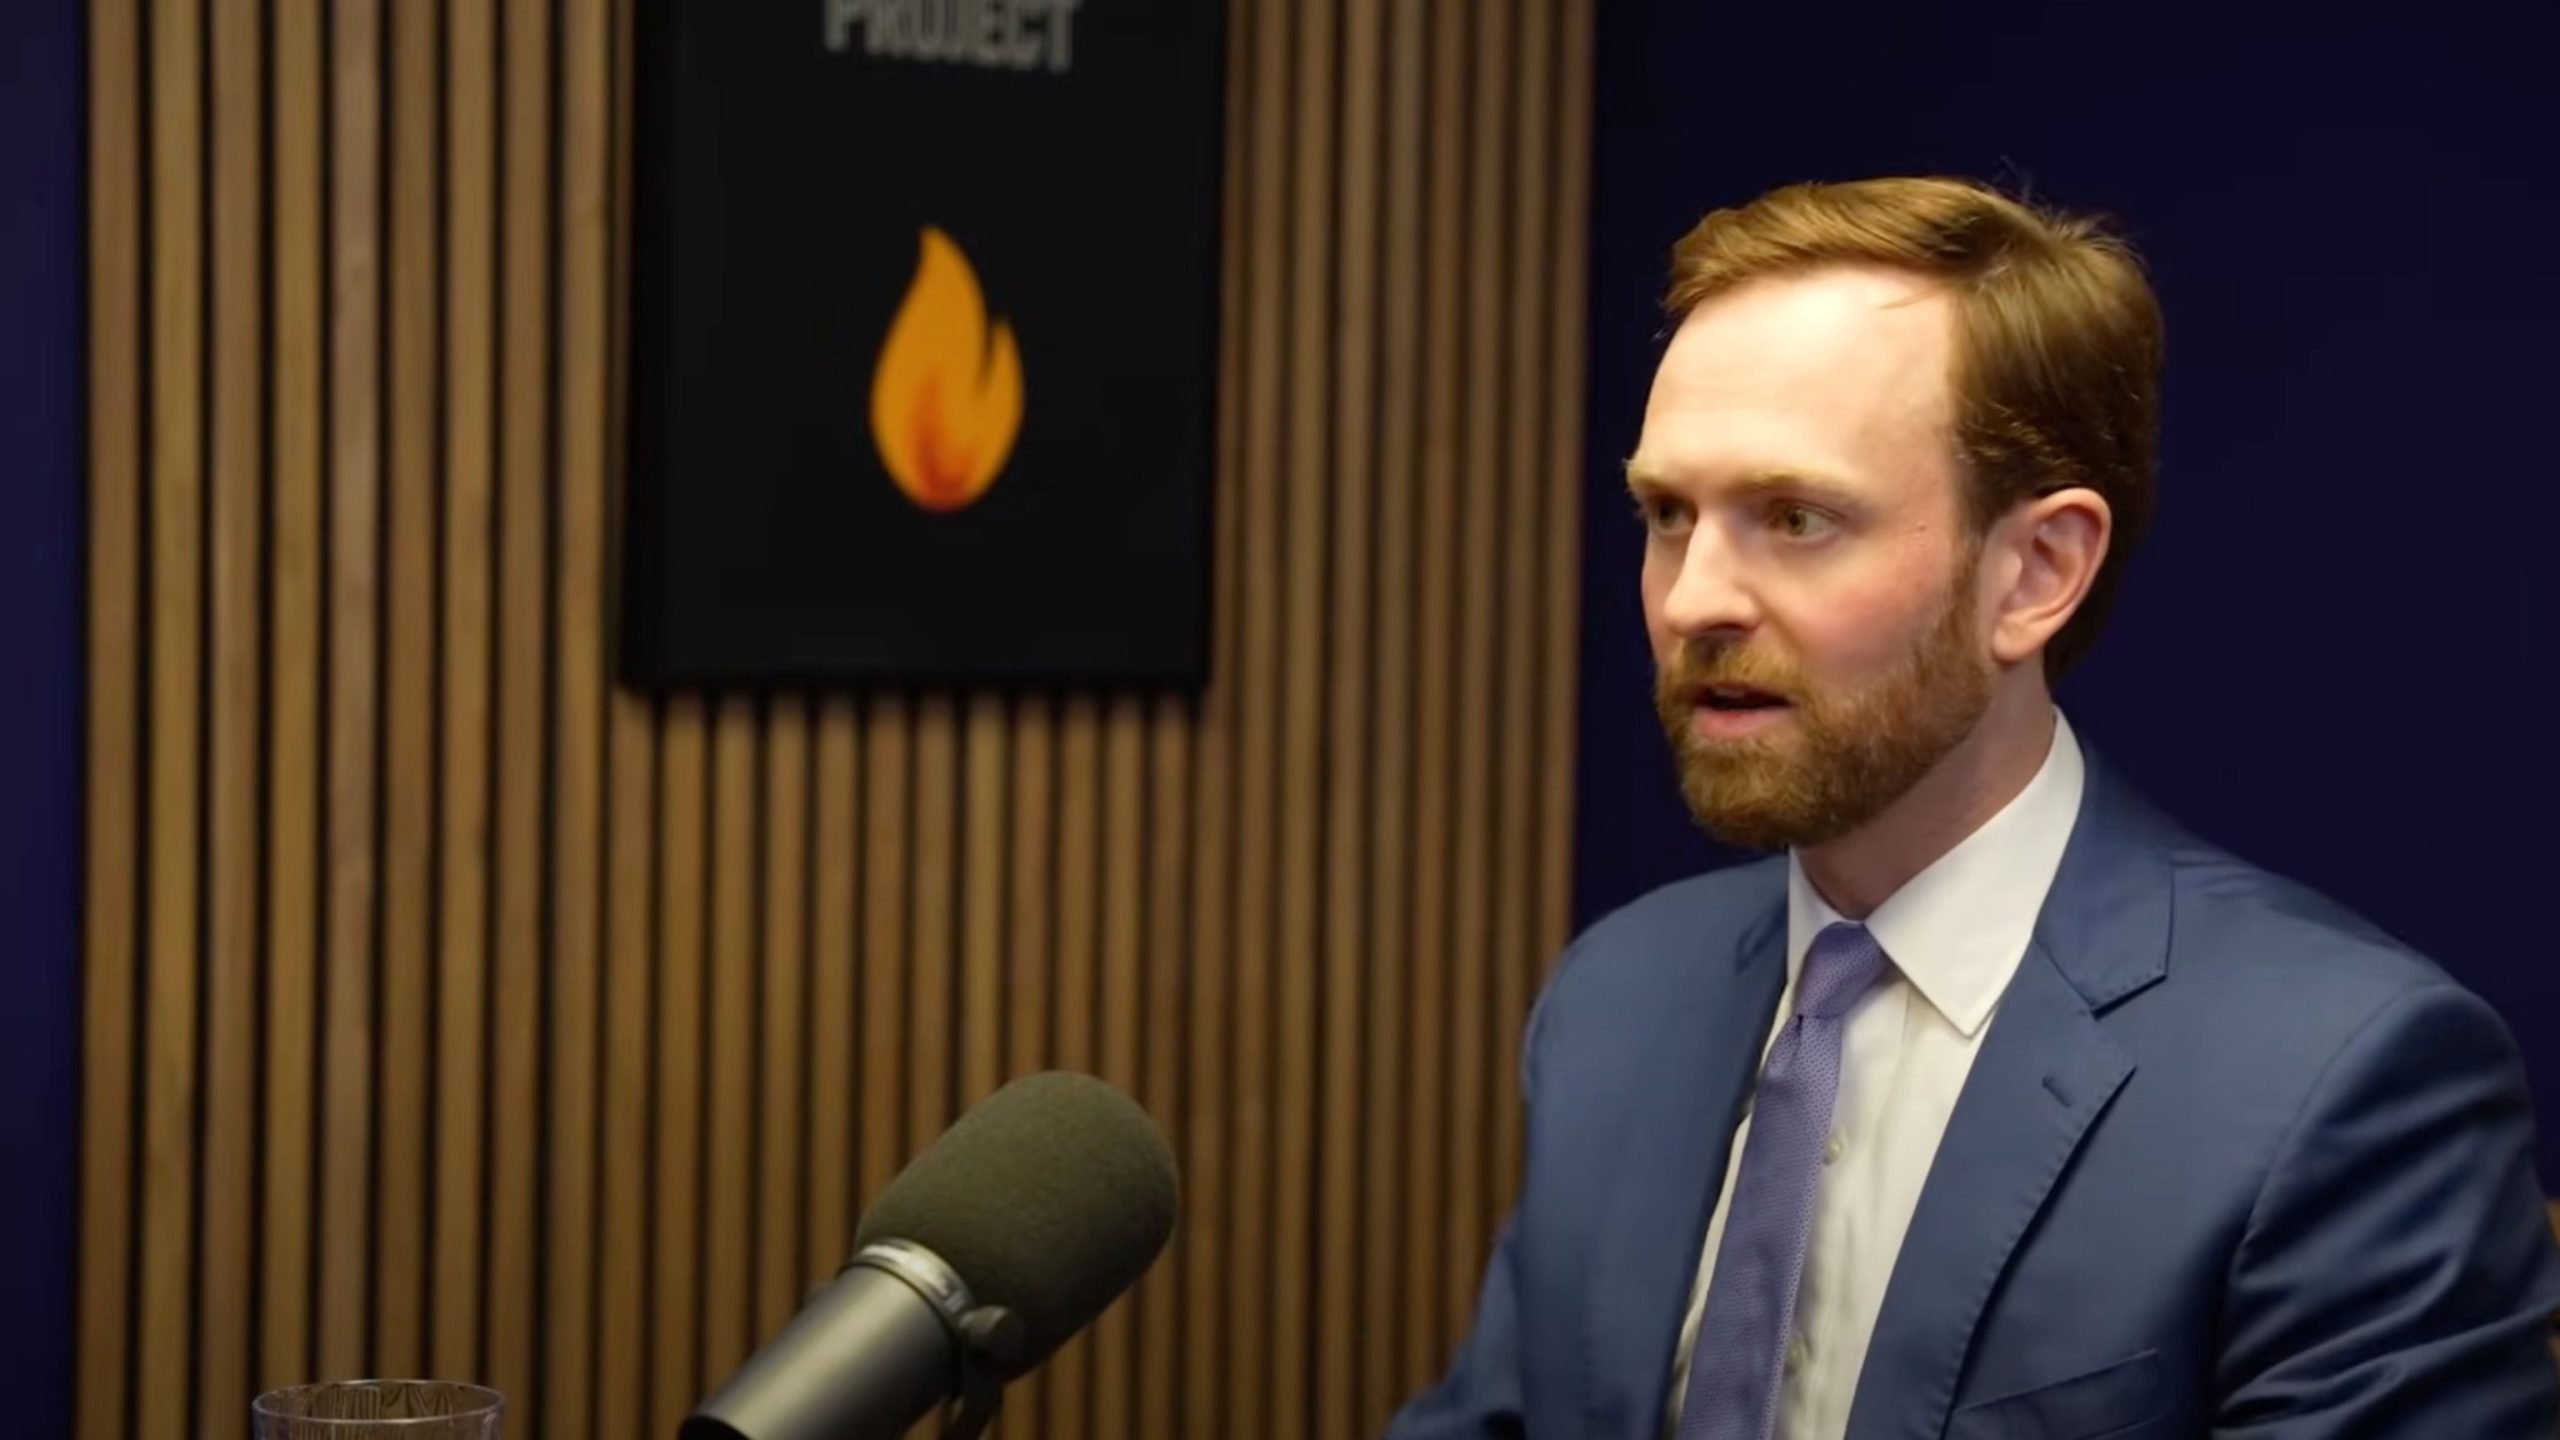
1050	1198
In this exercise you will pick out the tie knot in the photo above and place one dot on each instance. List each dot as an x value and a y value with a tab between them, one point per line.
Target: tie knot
1844	964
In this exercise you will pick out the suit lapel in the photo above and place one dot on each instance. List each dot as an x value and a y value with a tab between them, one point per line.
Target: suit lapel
1703	1059
2045	1072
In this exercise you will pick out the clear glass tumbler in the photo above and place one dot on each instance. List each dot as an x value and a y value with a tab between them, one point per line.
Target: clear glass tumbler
379	1410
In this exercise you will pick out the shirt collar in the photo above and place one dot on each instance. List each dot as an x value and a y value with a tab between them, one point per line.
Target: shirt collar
1959	928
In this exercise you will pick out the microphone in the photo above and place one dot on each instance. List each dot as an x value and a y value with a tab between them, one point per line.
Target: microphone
992	1248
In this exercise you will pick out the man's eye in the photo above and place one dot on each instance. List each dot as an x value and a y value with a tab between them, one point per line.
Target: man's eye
1663	514
1801	522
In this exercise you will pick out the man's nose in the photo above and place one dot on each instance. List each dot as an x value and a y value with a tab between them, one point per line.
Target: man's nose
1709	594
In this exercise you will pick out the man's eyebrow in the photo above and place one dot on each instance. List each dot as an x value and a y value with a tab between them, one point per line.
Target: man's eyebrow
1797	484
1643	478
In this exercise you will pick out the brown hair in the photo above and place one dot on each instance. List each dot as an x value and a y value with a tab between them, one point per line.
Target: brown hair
2056	373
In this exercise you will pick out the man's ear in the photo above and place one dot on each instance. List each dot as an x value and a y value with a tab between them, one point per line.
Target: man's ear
2050	548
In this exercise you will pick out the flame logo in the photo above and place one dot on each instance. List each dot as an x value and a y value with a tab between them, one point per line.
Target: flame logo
946	401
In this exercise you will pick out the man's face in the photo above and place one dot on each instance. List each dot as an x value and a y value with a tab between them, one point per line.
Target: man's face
1809	570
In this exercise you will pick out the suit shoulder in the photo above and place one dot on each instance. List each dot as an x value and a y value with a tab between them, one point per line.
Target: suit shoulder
2242	924
2241	940
1653	952
2248	946
1652	940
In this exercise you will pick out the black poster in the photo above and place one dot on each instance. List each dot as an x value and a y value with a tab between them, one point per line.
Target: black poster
923	308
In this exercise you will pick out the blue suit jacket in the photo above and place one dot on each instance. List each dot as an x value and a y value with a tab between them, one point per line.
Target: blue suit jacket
2229	1162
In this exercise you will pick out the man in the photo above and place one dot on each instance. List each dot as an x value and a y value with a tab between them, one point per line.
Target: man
1999	1106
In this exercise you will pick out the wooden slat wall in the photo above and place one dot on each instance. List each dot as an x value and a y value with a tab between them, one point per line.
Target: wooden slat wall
452	1010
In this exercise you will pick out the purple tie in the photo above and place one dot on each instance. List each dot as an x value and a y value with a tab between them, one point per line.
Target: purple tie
1740	1355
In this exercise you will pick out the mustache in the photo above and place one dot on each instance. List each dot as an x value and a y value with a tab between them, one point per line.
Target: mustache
1694	667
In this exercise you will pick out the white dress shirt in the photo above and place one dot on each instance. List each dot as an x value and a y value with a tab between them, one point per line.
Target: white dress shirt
1955	935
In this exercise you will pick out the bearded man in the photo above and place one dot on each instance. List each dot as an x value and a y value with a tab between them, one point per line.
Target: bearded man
1994	1105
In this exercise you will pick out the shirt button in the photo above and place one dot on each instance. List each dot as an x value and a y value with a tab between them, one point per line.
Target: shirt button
1797	1354
1833	1150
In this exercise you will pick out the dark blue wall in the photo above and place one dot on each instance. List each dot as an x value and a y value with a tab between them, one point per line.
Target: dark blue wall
2333	657
41	512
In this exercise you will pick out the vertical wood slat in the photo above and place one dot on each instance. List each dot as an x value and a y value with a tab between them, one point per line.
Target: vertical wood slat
114	880
886	789
1426	1174
1249	1257
1202	1244
1120	991
293	705
570	1148
1027	1028
1348	736
1473	960
354	501
928	952
836	876
780	1273
517	956
1071	989
591	411
984	885
728	1250
598	36
1563	474
581	1023
403	1173
1302	757
173	528
464	786
623	1239
1392	788
675	1192
575	1247
233	859
1168	966
1522	592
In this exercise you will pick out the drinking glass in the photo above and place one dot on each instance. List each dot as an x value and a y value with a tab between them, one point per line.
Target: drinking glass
379	1410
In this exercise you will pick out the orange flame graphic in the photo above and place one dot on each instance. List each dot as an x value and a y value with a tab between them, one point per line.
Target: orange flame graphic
946	401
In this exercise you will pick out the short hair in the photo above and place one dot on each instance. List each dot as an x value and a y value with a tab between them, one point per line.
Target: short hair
2057	366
